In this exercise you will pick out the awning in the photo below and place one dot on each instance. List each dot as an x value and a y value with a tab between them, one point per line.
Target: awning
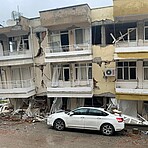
137	55
132	97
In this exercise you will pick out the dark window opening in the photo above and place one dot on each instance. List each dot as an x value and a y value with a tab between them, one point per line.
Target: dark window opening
108	30
118	30
96	35
95	101
64	103
65	41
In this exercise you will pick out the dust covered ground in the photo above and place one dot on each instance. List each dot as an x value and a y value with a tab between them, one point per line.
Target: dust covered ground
22	134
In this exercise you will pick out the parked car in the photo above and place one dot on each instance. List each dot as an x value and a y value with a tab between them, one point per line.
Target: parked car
91	118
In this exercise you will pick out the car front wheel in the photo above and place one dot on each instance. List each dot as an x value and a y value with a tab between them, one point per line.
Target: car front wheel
59	125
107	129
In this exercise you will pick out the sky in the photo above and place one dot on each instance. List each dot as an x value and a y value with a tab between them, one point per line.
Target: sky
31	8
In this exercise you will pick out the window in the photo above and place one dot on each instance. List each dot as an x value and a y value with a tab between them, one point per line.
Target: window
145	67
18	43
79	36
96	35
83	71
61	72
132	34
55	41
81	111
82	36
126	70
146	33
95	112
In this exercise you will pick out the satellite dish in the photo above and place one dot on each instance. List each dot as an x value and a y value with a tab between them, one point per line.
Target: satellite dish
11	22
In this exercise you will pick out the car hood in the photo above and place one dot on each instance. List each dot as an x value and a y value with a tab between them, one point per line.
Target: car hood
59	113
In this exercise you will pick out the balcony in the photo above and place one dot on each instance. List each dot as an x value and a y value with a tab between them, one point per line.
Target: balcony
69	53
133	90
131	50
8	58
66	17
17	89
76	89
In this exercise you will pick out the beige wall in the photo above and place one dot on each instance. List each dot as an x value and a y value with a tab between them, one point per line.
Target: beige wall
102	14
130	7
41	89
105	84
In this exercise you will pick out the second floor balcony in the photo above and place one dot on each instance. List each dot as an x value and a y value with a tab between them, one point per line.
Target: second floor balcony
17	88
68	53
131	50
80	89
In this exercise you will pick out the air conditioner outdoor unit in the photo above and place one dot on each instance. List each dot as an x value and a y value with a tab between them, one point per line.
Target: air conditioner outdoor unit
109	72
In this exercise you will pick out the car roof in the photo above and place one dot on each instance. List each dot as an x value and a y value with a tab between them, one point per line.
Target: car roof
93	108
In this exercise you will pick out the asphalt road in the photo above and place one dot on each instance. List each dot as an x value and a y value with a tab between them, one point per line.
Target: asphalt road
38	135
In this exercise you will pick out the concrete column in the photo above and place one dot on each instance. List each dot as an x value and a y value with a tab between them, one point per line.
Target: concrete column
73	103
103	37
17	103
139	74
140	107
140	31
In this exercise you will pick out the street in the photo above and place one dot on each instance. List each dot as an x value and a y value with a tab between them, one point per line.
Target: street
39	135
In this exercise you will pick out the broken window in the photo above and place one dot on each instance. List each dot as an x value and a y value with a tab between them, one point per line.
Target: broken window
96	35
126	70
145	67
132	34
124	31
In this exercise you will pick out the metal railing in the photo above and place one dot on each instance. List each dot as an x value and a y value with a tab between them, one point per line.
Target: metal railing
67	48
16	84
20	52
131	43
62	84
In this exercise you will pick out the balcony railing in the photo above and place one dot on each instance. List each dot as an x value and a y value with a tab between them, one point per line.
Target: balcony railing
62	84
20	52
16	84
67	48
131	43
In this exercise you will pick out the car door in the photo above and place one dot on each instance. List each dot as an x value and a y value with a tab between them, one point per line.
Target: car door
76	118
94	119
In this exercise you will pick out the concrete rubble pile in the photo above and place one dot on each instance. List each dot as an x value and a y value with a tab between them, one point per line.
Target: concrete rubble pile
128	119
31	113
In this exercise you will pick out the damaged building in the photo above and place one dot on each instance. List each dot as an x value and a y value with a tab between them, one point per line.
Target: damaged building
77	56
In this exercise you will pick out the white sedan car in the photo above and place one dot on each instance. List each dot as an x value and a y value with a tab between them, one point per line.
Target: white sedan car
87	118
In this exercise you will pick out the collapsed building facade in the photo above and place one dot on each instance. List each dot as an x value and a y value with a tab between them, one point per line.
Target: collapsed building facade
77	56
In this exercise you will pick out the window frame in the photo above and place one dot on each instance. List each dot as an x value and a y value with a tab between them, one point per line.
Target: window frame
145	27
128	30
144	67
129	70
